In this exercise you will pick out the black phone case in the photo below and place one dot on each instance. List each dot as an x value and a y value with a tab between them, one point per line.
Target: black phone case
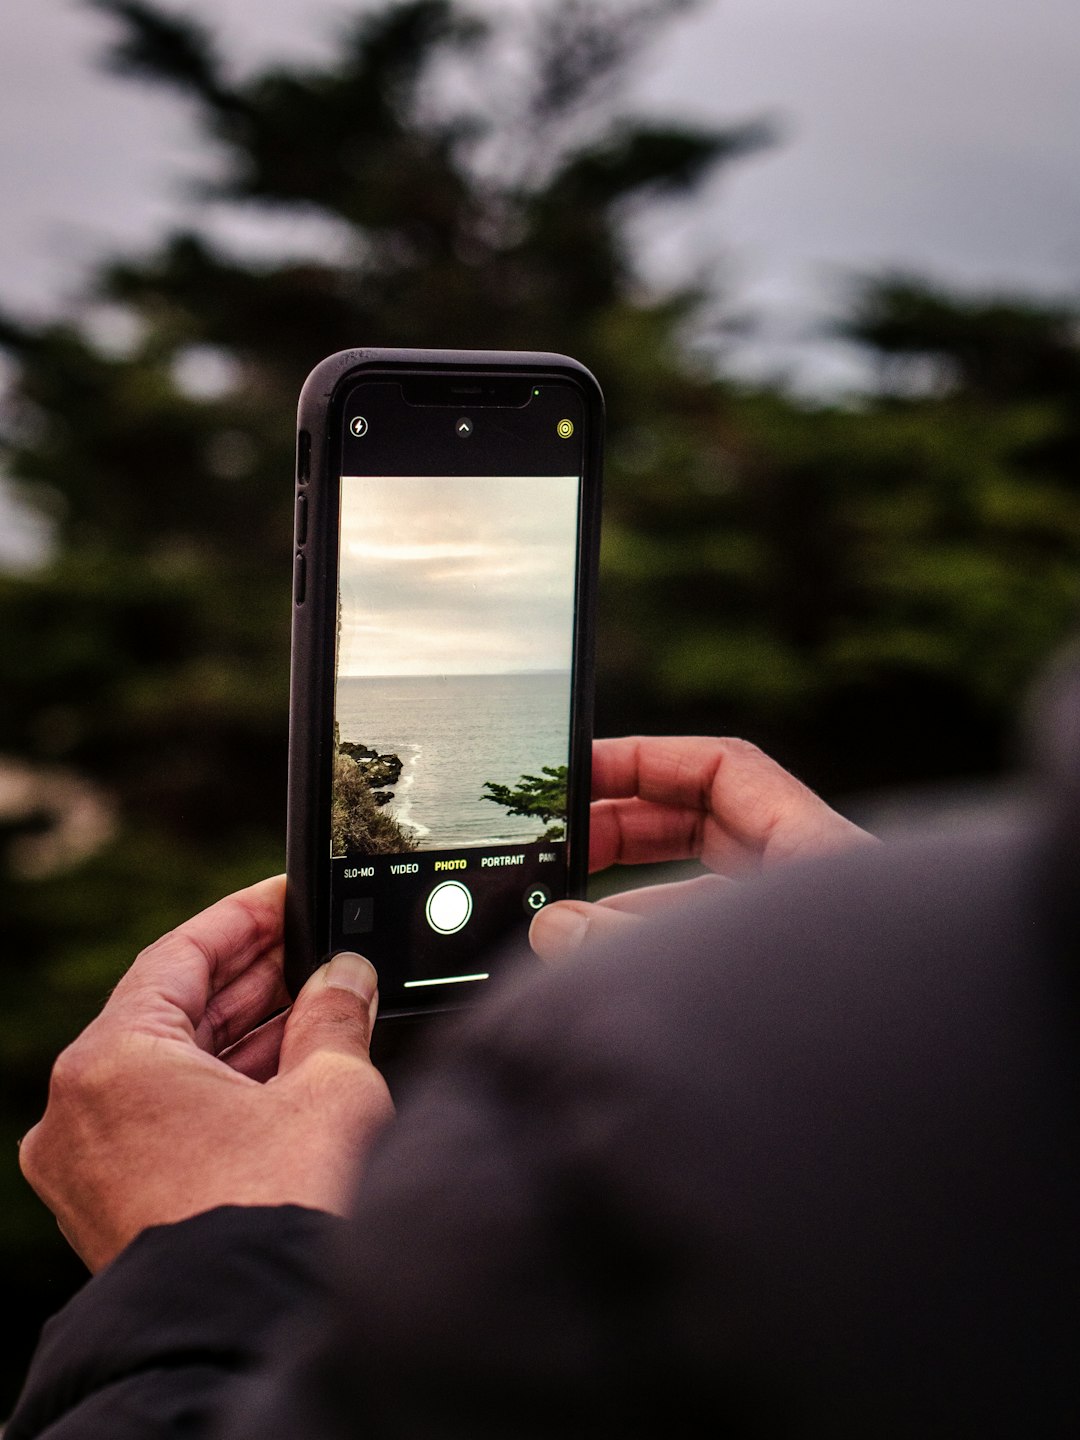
311	702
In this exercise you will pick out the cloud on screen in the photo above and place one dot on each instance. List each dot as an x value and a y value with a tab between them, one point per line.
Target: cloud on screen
457	575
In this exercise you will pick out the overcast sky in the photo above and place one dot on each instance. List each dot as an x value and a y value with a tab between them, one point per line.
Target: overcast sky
933	134
457	576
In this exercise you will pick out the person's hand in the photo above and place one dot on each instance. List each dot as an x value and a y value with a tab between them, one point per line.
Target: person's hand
720	801
176	1099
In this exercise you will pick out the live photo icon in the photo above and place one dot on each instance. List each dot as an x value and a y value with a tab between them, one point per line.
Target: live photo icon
358	916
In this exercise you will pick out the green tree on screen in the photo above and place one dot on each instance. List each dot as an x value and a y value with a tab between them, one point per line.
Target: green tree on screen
542	796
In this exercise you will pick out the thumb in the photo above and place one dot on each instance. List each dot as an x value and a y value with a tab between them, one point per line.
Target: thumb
334	1012
559	931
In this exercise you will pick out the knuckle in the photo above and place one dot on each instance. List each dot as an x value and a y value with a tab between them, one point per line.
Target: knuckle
28	1155
163	945
68	1073
736	748
328	1035
79	1071
334	1067
334	1013
351	1081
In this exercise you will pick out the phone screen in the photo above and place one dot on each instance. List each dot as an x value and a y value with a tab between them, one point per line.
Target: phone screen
454	687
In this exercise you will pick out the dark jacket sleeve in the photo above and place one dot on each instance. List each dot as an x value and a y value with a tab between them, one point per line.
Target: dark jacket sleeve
146	1347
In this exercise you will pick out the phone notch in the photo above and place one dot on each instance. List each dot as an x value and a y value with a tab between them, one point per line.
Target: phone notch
498	392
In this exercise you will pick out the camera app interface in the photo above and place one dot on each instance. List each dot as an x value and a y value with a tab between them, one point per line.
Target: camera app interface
456	598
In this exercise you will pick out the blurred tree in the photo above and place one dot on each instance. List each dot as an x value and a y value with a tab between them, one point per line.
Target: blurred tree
162	468
997	350
864	588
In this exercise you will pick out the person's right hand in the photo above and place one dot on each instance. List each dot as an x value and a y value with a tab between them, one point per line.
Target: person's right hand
178	1098
664	798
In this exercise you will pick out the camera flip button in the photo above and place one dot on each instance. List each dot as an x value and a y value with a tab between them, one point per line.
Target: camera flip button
535	898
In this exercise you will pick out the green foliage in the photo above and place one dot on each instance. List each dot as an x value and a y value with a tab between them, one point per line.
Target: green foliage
990	348
542	795
867	590
358	825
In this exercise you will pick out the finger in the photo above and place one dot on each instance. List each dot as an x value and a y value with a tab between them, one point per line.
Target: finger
651	899
239	1009
171	982
638	832
652	766
560	930
335	1011
721	799
653	798
256	1053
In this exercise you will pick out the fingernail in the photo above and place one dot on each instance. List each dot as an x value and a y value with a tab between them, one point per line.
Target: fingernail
349	971
560	928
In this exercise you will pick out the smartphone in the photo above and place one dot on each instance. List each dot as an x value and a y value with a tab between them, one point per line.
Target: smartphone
446	546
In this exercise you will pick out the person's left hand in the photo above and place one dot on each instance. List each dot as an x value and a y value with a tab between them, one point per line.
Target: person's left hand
176	1099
